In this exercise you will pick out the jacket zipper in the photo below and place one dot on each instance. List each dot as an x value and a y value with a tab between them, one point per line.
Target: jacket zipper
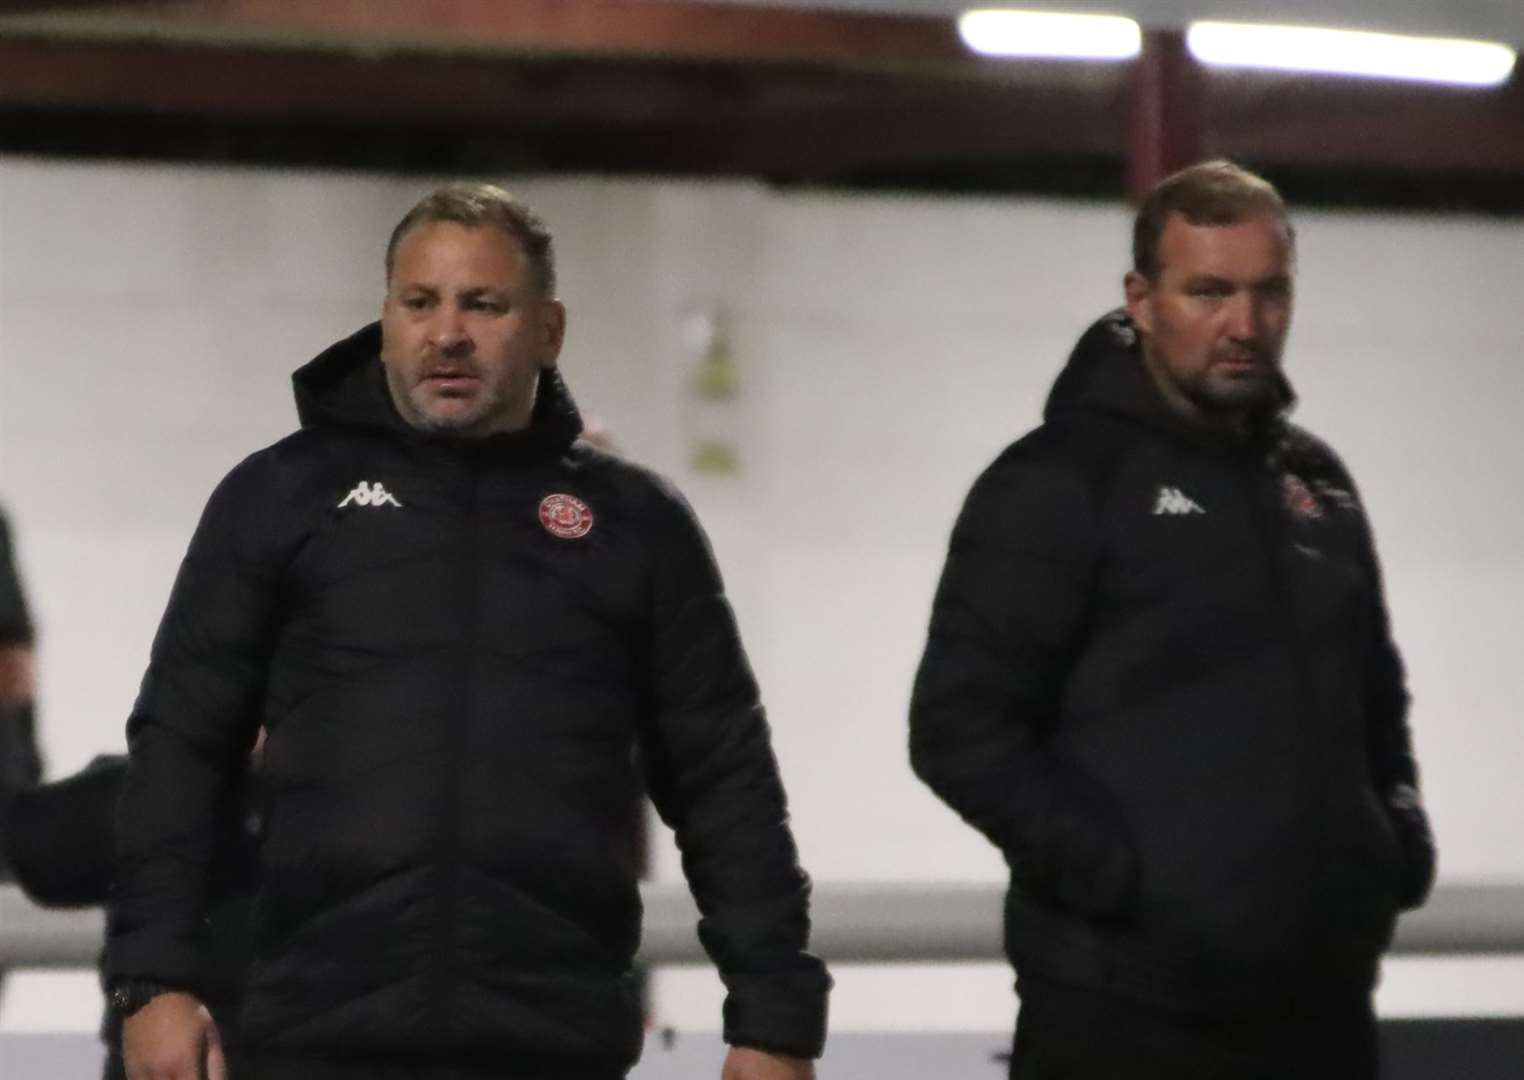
452	783
1271	543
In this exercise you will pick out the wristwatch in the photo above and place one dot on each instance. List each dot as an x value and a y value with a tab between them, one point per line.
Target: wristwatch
129	995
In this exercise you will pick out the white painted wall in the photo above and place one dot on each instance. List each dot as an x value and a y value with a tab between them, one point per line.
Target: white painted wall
149	319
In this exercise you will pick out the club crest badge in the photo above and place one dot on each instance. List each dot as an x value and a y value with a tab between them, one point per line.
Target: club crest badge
565	516
1299	498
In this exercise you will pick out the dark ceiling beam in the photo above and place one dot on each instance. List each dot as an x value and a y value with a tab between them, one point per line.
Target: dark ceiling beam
765	119
895	129
165	78
34	7
568	106
1345	123
673	29
732	119
267	85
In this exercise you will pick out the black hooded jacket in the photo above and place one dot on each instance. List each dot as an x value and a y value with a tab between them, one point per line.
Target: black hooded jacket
457	648
1159	677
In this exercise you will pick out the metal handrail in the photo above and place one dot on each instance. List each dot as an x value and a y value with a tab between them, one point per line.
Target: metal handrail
891	922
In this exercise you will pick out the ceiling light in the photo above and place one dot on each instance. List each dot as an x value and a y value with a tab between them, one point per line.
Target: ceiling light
1351	52
994	32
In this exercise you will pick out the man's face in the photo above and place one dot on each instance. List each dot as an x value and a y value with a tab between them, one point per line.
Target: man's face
465	331
1214	321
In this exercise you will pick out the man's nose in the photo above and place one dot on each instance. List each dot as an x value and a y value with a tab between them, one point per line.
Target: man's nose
448	333
1243	317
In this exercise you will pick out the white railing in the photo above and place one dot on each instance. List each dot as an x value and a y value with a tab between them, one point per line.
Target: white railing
853	923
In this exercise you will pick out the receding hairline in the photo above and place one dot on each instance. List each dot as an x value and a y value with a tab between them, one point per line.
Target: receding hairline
1210	193
482	206
1280	221
423	225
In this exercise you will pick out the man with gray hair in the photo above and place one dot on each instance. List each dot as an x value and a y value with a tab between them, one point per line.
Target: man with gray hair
470	637
1160	678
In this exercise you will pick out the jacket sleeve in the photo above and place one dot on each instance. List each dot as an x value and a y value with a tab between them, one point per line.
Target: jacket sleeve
1389	740
74	815
715	781
191	730
1008	619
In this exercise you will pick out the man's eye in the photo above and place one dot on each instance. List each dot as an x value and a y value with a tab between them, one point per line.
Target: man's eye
1211	291
415	303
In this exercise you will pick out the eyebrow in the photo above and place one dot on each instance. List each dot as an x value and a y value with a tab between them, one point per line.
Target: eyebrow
471	292
1216	279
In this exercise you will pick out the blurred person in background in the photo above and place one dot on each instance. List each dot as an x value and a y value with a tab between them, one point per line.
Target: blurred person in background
59	842
20	762
467	634
1160	678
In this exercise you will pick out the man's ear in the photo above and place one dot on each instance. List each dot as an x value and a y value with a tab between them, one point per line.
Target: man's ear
1139	292
553	327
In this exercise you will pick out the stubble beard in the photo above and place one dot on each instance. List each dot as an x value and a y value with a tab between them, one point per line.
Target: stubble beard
1218	393
458	416
418	406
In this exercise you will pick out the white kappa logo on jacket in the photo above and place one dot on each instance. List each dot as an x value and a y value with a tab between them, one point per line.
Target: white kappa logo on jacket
1174	501
368	494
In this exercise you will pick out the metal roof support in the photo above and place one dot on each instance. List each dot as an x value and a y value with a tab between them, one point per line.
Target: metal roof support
1165	125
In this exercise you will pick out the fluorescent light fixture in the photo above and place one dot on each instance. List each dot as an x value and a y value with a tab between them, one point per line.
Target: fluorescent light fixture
998	32
1351	52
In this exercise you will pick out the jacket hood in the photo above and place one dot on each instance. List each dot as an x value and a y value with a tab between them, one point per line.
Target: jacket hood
345	386
1105	374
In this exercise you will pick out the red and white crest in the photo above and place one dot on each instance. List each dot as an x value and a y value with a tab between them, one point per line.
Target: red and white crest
1299	498
566	516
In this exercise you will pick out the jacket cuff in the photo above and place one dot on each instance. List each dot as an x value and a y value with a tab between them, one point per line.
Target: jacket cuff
782	1012
155	957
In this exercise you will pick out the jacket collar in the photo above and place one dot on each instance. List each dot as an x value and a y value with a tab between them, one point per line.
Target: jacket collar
1105	374
345	387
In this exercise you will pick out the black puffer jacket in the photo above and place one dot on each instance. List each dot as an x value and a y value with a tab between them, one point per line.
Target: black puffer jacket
1160	678
455	695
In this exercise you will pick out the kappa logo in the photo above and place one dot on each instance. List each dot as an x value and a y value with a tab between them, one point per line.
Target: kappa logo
367	494
1174	501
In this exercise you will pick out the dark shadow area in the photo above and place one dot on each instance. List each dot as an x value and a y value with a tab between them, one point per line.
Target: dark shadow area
438	149
1452	1049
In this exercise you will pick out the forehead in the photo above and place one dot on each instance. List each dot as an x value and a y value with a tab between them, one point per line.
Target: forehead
446	252
1255	248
